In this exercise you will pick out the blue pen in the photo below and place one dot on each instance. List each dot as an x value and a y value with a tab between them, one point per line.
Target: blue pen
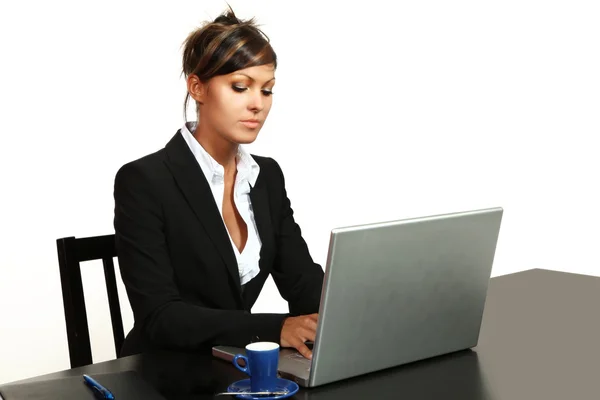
98	389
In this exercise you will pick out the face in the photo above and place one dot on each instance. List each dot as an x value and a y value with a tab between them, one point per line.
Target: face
234	107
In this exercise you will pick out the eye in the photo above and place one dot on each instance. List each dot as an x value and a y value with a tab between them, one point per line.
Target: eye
267	92
239	88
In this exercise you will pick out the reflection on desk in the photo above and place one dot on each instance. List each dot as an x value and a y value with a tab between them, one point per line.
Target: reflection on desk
456	374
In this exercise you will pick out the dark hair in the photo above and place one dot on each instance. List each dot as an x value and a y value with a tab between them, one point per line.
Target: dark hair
223	46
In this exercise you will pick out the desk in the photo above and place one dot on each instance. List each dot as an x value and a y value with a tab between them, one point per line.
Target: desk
539	340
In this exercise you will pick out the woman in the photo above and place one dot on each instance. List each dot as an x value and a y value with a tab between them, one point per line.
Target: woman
201	224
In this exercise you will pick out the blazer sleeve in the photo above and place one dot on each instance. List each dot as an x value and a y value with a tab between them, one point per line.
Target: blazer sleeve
298	278
166	320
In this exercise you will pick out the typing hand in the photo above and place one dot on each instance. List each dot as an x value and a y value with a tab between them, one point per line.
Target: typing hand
297	330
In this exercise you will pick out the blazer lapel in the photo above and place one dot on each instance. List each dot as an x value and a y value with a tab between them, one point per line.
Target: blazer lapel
195	188
260	206
259	198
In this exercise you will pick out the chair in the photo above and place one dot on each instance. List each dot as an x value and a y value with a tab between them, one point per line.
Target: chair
71	252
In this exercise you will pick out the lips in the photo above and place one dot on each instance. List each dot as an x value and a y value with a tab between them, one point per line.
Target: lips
251	123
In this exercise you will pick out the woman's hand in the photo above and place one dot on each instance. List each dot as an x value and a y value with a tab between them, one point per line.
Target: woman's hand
298	330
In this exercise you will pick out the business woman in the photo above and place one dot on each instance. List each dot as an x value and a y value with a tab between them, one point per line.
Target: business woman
200	224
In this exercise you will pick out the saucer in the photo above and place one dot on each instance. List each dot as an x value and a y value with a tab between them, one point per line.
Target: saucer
282	385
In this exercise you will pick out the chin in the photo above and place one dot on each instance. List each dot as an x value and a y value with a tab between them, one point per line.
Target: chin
245	138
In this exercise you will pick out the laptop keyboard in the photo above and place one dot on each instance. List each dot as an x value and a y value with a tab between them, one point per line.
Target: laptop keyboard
297	357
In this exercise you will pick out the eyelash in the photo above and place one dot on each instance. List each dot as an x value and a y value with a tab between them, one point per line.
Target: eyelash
240	89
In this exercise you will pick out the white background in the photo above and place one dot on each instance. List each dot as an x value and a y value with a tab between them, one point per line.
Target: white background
382	111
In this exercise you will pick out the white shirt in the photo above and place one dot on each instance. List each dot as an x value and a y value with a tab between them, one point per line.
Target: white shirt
247	174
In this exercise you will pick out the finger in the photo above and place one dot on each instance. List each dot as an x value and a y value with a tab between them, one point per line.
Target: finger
314	317
307	334
303	349
309	323
284	342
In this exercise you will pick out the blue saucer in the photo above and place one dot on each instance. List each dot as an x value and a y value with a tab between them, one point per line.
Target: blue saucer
282	385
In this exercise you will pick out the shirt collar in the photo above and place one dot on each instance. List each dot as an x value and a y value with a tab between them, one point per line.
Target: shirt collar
247	168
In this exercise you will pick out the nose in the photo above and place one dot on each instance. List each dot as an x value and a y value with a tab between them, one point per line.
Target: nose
256	101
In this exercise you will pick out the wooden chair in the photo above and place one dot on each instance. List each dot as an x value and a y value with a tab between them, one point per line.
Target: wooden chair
71	252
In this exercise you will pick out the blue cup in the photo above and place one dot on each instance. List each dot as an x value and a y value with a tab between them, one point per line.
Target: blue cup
262	360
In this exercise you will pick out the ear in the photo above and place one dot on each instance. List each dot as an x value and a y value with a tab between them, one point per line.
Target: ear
196	88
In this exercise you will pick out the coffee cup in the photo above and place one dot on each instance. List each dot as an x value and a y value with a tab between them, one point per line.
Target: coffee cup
262	360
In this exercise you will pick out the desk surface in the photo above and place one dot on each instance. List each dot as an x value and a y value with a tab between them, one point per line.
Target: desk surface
538	340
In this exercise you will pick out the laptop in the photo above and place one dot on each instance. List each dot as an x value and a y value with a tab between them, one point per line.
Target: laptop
395	293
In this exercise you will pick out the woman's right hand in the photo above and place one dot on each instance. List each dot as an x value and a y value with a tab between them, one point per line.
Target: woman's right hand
298	330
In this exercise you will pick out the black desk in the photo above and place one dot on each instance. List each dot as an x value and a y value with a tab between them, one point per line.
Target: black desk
539	340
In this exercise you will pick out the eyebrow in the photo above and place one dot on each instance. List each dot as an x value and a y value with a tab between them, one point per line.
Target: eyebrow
252	79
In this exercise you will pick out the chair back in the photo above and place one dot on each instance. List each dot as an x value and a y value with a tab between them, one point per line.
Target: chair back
71	252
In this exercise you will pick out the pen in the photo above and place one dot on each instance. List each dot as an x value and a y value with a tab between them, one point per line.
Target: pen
98	389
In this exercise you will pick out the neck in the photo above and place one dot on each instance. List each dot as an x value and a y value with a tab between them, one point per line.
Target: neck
221	150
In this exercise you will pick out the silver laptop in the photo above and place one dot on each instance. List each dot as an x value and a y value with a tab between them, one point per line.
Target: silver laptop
397	292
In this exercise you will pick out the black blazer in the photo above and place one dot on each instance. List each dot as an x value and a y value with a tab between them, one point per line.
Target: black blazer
179	267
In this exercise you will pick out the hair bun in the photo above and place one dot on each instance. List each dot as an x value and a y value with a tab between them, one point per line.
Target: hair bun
228	18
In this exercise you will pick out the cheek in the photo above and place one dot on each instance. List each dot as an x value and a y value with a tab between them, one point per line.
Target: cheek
224	108
231	105
268	103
